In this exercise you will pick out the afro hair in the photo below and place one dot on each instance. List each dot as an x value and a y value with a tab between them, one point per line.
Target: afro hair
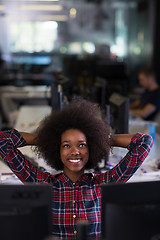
79	114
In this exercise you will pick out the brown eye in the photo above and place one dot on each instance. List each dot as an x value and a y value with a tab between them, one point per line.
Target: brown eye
82	145
66	146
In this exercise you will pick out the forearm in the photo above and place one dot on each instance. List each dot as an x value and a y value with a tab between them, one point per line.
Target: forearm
30	138
144	112
121	140
134	105
138	113
139	149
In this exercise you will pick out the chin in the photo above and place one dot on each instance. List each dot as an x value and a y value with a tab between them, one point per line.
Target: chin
75	169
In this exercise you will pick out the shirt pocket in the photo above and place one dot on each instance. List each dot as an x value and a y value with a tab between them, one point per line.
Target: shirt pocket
90	204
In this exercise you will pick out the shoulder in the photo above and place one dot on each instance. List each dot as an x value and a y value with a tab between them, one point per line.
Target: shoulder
55	178
155	95
156	91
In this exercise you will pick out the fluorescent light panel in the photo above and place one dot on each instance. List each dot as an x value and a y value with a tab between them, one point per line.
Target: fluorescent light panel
40	0
33	0
58	18
41	7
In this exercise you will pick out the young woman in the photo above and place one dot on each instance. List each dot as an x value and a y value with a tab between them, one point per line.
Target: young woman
74	140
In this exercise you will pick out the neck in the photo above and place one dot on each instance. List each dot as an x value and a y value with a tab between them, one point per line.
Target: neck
73	176
153	86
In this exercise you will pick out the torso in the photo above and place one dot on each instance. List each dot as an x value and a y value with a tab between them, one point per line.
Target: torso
75	202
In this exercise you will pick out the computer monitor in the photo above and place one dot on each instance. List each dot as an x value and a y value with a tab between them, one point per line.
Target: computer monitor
100	91
120	113
110	70
131	211
58	100
25	212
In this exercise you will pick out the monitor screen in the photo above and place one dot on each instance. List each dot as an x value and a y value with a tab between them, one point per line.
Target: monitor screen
131	211
119	113
58	99
25	211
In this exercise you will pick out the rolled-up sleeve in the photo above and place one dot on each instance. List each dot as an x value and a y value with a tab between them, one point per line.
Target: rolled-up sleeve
9	142
139	149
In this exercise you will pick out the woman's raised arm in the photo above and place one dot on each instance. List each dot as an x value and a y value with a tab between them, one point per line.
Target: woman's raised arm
10	141
121	140
30	138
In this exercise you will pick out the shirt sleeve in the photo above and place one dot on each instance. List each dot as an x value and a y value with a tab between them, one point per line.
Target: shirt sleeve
9	142
139	149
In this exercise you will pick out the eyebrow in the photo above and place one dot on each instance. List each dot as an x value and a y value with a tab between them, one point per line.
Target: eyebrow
67	141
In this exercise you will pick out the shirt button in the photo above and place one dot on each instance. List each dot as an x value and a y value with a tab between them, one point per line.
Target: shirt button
75	232
74	216
74	201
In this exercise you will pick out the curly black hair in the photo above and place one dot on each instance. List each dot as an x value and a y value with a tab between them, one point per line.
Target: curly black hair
79	114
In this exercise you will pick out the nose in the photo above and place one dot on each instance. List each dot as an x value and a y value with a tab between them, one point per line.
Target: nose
75	151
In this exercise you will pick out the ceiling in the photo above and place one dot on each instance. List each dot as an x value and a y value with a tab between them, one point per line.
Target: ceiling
58	10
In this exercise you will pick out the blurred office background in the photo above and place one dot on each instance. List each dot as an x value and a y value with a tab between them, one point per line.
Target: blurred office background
91	48
79	37
80	41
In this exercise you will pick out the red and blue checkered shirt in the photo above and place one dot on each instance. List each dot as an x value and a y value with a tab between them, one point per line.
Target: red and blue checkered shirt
72	202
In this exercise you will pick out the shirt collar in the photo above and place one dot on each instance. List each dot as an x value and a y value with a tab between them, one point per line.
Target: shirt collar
85	178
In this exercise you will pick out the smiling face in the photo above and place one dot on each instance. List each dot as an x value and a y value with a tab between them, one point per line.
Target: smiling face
74	152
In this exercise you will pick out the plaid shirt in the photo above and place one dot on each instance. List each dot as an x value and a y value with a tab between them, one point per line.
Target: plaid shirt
74	201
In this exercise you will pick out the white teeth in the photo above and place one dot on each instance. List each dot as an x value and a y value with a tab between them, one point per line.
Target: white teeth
75	160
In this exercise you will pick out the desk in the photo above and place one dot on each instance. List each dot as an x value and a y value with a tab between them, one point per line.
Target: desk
27	91
148	170
11	98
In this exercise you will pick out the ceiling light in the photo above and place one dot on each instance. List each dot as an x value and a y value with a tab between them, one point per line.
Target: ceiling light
42	0
73	12
41	7
2	7
39	0
58	18
34	0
